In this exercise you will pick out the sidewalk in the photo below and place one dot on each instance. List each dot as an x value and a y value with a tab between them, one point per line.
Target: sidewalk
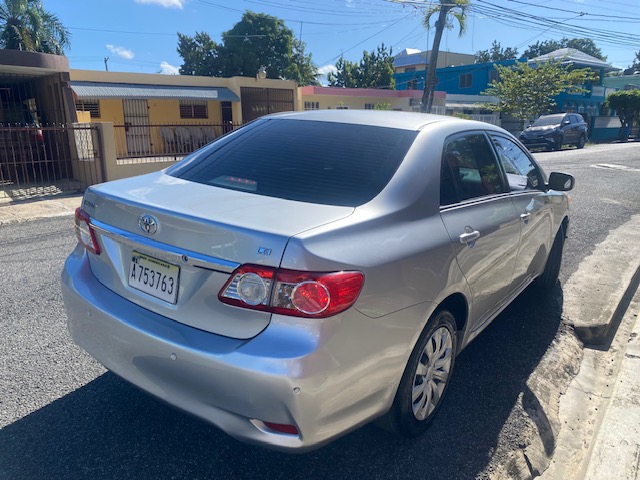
12	212
616	448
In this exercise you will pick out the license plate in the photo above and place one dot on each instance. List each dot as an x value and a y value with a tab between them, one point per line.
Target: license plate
155	277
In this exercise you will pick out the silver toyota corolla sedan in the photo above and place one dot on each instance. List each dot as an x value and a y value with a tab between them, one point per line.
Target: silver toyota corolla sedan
313	271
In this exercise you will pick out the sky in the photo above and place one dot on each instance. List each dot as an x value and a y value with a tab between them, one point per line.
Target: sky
140	35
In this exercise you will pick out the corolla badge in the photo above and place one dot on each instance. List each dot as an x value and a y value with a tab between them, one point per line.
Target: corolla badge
148	224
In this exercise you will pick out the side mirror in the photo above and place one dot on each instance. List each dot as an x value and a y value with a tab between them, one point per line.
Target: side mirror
562	182
566	122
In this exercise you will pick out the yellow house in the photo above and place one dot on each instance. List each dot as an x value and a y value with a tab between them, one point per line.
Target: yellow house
157	114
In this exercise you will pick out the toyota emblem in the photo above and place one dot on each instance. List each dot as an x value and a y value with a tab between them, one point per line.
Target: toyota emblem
148	224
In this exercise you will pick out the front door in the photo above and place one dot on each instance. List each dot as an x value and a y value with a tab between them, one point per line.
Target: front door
136	122
532	204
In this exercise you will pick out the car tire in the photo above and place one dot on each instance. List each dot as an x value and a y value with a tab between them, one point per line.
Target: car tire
551	271
581	141
425	378
558	144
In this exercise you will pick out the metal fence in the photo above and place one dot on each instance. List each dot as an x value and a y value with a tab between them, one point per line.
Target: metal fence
37	161
147	143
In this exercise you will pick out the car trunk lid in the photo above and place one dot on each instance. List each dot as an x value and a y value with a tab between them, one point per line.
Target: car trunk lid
197	236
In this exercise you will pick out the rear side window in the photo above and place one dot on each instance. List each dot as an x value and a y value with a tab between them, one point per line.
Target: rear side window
307	161
469	170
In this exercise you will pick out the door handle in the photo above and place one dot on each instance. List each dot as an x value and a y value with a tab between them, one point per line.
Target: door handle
525	218
469	236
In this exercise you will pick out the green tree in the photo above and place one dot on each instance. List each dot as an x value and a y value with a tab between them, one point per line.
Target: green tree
375	70
496	53
627	105
26	25
446	11
199	55
585	45
257	40
346	74
527	92
301	67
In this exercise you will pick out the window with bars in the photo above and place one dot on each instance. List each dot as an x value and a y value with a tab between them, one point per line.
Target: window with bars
312	105
369	106
92	106
193	109
494	76
342	107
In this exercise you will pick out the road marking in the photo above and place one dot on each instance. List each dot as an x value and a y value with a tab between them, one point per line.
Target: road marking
614	166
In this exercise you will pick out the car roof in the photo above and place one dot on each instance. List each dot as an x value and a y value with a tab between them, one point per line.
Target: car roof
377	118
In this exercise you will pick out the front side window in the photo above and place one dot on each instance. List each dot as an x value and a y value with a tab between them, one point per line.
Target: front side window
308	161
521	172
469	170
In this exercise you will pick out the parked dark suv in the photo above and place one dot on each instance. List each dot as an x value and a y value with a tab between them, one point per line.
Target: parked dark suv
553	131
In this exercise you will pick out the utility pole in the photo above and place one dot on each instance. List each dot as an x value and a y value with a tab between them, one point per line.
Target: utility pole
299	59
106	67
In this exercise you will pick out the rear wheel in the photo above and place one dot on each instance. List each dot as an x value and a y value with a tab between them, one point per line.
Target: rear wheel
581	141
549	276
426	378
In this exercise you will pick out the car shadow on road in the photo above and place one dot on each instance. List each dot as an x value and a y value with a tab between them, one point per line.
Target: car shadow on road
110	430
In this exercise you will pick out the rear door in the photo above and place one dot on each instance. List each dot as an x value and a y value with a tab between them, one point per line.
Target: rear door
481	220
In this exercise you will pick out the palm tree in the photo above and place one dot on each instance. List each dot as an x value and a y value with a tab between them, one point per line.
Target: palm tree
26	25
446	10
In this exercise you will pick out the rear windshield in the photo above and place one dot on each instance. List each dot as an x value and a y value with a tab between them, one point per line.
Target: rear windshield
307	161
548	120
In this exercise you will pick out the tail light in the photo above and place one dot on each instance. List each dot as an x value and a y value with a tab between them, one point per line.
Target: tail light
84	231
292	292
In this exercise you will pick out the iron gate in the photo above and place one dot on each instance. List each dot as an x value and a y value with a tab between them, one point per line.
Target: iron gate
257	102
36	161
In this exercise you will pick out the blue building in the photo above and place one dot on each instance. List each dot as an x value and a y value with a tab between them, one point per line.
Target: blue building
464	84
410	66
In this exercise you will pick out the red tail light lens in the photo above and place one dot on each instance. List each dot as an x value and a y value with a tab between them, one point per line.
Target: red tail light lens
280	428
292	292
84	231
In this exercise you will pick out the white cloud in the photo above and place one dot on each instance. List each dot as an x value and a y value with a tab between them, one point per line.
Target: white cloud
164	3
168	69
327	69
121	52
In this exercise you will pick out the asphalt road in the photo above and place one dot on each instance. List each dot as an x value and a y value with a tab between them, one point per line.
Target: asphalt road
63	416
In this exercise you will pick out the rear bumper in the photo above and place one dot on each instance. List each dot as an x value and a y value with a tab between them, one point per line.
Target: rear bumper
288	374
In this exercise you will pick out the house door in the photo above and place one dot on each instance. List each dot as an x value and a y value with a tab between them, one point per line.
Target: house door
136	122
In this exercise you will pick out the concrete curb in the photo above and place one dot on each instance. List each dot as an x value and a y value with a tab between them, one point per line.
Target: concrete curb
616	447
595	300
596	297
